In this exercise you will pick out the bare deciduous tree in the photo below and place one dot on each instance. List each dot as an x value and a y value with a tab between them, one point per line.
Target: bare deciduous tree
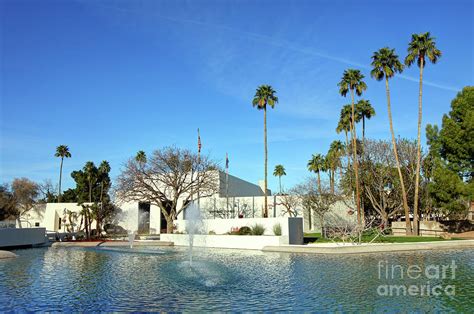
291	202
170	176
379	178
319	204
25	195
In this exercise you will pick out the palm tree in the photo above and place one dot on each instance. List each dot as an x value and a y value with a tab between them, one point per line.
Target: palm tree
317	164
141	157
279	172
352	80
385	64
365	111
265	95
346	126
63	152
104	170
337	148
330	165
421	47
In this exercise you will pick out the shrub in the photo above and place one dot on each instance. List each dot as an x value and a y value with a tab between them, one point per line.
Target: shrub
277	229
245	231
212	232
258	229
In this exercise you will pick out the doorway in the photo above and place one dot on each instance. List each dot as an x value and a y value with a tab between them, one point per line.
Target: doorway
144	218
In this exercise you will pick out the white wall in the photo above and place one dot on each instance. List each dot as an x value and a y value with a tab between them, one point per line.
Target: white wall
338	212
22	237
226	241
222	226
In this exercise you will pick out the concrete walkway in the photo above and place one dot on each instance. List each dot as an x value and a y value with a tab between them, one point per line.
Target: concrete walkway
111	243
7	254
335	248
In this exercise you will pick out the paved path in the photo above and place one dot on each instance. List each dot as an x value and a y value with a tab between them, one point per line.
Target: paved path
7	254
333	248
111	243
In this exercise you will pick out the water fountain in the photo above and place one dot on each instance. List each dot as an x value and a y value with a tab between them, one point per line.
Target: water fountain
130	222
131	237
194	225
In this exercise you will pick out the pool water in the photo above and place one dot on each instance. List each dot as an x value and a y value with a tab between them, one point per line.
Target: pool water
162	279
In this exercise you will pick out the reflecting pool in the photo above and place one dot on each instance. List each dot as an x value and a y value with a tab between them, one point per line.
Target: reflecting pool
163	279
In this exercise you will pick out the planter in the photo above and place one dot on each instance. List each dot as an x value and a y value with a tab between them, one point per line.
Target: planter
226	241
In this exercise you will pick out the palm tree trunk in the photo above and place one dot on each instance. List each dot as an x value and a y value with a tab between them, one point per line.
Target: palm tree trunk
418	153
90	192
319	183
265	209
279	178
60	179
98	218
363	129
355	162
333	175
348	158
394	144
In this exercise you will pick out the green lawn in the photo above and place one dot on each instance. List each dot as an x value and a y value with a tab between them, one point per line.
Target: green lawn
380	239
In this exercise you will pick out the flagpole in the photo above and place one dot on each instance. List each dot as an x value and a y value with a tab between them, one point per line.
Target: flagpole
199	162
227	181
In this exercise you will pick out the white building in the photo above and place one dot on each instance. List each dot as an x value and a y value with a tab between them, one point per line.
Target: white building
236	203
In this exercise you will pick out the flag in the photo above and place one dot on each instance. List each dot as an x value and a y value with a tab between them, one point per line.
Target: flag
199	142
226	161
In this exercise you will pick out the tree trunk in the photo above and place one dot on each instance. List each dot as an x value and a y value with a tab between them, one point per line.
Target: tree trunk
265	209
418	152
90	192
319	183
86	222
60	179
395	152
355	162
332	173
97	226
99	213
279	178
169	224
363	129
322	226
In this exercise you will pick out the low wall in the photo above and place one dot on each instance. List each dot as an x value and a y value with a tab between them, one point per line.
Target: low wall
222	226
226	241
426	229
11	237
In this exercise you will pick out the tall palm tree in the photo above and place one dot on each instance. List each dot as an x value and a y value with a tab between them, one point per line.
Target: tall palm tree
330	162
265	95
317	164
90	173
346	126
141	159
421	48
352	80
337	148
365	111
63	152
345	123
103	175
279	172
385	64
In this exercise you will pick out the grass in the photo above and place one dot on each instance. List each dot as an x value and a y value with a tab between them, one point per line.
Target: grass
384	239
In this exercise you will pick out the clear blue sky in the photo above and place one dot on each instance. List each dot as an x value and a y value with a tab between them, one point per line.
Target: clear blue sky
109	78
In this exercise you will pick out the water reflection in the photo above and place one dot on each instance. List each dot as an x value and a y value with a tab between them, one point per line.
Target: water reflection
162	279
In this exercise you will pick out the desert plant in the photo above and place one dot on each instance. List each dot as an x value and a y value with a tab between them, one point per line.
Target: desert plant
245	231
277	229
212	232
258	229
